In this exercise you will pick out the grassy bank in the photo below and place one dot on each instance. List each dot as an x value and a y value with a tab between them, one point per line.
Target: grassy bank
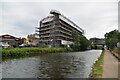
116	52
97	68
29	51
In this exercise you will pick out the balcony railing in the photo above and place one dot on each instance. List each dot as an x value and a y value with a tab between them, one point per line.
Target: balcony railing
56	36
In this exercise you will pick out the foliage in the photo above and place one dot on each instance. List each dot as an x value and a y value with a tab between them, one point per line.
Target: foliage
97	68
80	41
85	43
28	51
112	38
76	40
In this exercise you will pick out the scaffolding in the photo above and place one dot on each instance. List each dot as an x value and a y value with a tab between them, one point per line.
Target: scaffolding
56	29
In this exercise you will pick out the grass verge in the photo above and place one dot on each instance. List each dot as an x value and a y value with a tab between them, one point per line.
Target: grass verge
28	51
97	68
116	52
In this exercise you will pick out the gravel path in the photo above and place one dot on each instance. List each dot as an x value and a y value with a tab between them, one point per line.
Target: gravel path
110	66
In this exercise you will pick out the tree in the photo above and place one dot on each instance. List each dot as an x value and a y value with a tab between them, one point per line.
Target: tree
112	38
85	43
76	40
80	41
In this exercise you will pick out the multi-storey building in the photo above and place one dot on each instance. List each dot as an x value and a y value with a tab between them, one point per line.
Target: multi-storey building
56	30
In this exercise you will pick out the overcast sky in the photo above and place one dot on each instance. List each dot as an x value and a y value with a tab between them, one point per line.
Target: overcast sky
96	18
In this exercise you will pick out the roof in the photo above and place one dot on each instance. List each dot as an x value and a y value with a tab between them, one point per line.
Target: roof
97	38
8	37
54	12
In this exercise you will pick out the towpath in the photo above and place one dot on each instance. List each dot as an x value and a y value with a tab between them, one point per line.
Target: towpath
110	65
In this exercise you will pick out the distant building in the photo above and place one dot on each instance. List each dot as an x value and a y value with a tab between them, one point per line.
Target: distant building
55	30
33	39
98	42
4	45
11	40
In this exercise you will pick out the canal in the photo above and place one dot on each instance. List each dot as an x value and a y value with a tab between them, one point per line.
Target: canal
52	65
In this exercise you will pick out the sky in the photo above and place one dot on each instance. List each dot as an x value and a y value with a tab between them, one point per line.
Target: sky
19	18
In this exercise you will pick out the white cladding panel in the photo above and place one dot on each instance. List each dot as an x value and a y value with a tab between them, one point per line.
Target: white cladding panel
47	20
66	42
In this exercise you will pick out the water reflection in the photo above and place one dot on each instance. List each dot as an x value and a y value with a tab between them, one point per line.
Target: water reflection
53	65
57	65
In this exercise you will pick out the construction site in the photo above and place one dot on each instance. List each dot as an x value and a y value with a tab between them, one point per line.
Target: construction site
56	30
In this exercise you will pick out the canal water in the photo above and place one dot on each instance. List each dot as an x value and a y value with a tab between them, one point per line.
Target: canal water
52	65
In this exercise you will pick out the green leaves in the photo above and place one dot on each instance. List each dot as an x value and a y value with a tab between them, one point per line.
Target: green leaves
85	43
112	38
80	41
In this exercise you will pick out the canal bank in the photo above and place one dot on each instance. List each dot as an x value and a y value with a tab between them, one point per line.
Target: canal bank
14	52
97	68
60	65
106	66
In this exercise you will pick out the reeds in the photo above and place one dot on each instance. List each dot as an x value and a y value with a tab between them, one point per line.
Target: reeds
27	51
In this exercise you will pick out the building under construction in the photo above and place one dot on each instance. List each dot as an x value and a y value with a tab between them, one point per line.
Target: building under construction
56	30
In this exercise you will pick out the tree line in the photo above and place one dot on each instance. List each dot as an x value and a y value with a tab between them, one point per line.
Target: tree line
82	43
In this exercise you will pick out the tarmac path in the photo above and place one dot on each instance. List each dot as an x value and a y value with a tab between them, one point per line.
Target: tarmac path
110	65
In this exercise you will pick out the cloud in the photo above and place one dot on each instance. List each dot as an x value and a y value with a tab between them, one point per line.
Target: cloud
96	18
